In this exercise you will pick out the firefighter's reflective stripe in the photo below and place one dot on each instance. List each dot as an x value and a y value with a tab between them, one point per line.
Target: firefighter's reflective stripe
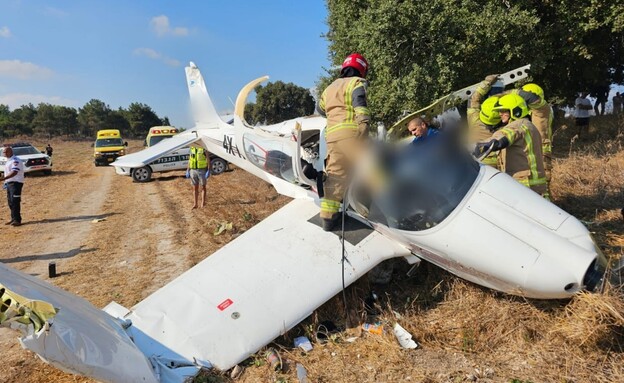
329	206
346	119
534	176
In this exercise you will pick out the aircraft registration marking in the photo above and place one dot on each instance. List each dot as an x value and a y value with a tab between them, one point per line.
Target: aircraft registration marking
231	147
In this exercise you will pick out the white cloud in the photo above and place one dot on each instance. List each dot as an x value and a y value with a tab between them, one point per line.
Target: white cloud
5	32
160	25
15	100
23	70
154	55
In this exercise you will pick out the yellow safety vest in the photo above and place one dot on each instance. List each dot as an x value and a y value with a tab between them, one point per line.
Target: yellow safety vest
198	160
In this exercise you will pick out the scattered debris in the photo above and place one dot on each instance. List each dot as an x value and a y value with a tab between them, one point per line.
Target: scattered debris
373	328
52	270
303	343
96	220
236	371
274	359
404	337
223	226
302	374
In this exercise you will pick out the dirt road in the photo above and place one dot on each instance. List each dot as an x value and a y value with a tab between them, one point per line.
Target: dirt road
113	239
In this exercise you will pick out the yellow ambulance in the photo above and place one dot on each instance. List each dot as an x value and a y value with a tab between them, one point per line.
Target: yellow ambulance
108	146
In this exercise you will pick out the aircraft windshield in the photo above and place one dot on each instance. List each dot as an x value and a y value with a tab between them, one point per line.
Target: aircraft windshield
156	139
105	142
271	155
424	184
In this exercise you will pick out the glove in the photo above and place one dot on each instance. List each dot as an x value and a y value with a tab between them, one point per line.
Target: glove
481	148
495	145
207	174
491	79
188	173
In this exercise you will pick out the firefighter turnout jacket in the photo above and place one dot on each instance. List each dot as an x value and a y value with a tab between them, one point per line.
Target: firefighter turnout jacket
523	159
343	102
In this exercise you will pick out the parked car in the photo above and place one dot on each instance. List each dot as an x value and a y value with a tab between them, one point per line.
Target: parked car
34	160
176	160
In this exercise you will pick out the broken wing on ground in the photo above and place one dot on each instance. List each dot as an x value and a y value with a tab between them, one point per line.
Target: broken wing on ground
225	308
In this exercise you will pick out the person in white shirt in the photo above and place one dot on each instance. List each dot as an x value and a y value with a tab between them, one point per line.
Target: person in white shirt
582	107
13	183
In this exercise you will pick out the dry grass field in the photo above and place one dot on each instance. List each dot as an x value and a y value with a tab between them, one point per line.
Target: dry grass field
117	240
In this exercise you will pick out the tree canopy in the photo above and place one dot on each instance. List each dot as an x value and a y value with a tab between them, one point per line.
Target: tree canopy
419	51
279	101
55	120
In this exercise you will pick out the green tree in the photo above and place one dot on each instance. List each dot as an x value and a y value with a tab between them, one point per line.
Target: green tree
279	101
6	126
419	51
141	118
45	122
93	116
66	121
23	117
117	120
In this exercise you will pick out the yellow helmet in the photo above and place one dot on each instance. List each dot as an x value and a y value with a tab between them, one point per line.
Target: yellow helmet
487	115
534	88
514	104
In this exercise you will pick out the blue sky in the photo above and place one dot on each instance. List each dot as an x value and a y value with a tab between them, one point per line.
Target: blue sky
68	52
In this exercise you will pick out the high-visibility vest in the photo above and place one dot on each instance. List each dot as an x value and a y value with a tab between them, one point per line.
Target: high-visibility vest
198	159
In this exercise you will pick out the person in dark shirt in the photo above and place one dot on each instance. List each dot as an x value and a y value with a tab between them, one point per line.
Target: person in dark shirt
419	128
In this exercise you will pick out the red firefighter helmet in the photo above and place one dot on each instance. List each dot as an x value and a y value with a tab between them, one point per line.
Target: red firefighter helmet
356	61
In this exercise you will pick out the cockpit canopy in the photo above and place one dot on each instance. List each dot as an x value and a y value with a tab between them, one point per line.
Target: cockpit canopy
422	183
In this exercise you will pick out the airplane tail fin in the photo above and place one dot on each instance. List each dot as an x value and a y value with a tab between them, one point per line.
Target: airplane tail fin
204	111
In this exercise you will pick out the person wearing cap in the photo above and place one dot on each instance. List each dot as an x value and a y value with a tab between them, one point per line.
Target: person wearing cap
522	156
482	120
13	183
344	104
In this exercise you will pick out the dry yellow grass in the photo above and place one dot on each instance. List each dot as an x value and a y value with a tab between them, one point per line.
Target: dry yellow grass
469	333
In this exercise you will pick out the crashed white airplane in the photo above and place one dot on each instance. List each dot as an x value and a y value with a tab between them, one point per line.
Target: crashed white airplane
442	207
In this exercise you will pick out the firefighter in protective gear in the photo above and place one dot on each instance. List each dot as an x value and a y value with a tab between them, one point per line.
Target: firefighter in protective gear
482	120
198	172
522	156
542	117
344	104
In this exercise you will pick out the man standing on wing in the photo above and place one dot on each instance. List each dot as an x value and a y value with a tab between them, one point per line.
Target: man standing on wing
344	104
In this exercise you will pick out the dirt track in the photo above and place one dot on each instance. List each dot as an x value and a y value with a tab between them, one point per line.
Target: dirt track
113	239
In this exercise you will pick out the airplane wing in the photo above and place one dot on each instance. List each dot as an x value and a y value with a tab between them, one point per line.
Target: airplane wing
145	156
255	288
216	314
77	338
455	98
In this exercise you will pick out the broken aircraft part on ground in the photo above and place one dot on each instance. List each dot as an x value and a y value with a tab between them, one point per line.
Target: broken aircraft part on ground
248	293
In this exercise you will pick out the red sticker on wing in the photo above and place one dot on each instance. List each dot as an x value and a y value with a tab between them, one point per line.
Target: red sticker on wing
225	304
